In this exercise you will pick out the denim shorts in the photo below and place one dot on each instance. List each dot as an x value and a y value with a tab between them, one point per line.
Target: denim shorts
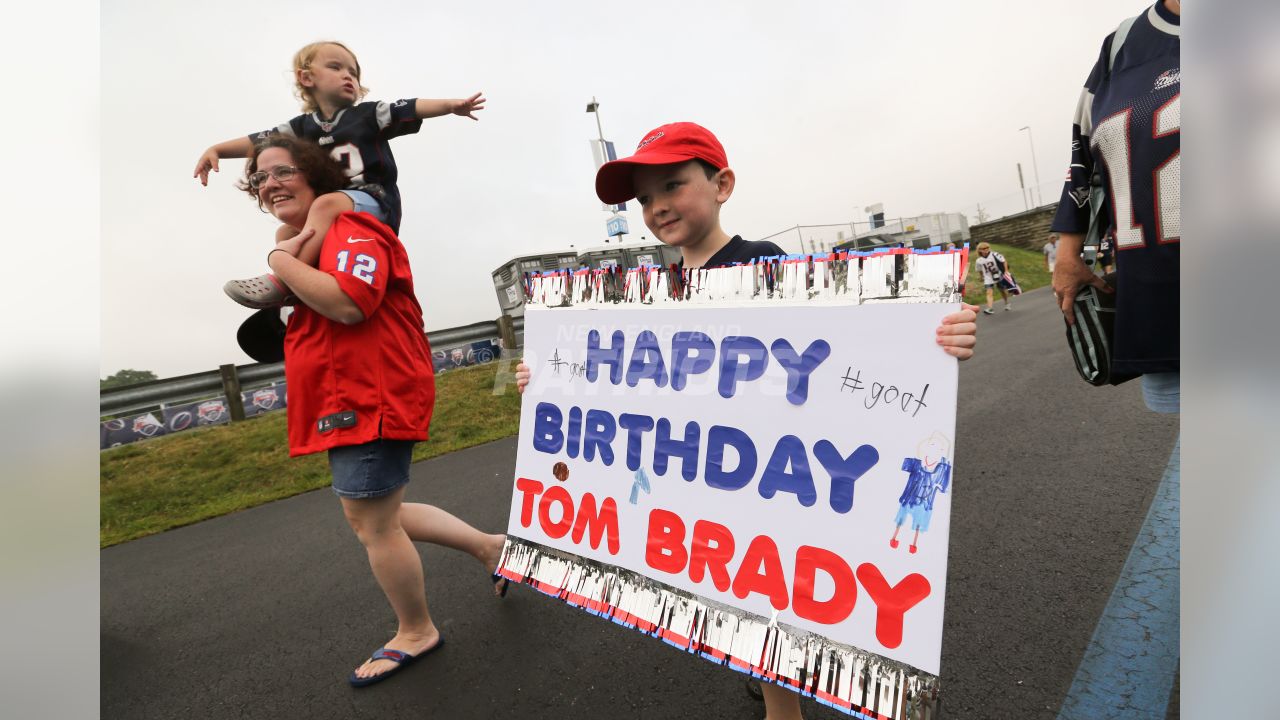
366	203
370	470
1162	392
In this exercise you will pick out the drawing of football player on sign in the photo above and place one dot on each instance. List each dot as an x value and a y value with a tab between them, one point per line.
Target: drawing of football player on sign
927	475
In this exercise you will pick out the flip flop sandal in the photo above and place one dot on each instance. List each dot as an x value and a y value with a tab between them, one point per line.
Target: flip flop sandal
402	660
260	293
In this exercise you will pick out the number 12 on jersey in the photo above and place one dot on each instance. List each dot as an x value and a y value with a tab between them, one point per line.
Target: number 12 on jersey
1111	138
362	267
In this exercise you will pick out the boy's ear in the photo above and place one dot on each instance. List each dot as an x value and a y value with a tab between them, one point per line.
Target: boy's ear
304	78
724	185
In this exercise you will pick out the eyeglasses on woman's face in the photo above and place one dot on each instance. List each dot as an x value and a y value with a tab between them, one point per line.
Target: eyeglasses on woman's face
281	173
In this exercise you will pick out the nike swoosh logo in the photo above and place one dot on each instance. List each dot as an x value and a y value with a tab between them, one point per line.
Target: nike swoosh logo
356	240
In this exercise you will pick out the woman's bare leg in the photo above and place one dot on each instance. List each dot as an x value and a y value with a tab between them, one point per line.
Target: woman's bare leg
428	523
398	569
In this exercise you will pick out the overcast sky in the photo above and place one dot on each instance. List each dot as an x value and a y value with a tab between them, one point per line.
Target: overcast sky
823	108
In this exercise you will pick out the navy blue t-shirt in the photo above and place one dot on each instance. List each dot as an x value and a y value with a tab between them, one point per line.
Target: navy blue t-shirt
358	138
738	250
1127	130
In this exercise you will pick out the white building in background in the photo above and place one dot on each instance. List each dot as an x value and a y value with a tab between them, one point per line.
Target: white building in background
922	231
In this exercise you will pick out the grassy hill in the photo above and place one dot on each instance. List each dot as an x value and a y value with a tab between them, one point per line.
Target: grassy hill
152	486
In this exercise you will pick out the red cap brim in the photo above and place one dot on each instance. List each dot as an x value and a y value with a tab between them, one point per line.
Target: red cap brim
613	179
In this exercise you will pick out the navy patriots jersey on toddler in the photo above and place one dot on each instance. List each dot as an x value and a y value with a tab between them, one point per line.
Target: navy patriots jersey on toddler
357	137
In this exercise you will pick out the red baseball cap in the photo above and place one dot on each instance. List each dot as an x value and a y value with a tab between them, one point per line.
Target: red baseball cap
666	145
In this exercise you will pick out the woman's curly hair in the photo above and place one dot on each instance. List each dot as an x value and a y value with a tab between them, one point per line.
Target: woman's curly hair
322	172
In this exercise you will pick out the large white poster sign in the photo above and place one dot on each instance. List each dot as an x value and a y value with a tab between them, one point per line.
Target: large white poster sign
768	486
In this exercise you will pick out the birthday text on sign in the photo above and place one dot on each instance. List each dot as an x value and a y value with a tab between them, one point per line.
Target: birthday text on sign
788	467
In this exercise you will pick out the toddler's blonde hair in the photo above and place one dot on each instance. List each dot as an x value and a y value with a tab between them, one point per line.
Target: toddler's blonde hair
302	61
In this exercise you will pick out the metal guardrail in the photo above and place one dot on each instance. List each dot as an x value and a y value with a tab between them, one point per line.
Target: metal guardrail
184	387
195	386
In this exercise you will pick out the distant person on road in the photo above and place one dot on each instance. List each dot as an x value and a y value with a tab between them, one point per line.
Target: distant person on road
1106	252
992	265
1127	131
360	385
680	176
1050	251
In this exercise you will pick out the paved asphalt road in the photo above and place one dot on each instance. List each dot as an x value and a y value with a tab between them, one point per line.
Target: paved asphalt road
263	613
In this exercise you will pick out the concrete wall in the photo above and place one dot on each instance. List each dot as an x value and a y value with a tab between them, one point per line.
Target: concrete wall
1028	229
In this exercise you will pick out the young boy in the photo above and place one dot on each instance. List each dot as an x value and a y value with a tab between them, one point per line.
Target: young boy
680	175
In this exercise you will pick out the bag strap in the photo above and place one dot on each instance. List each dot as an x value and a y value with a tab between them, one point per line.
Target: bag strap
1122	32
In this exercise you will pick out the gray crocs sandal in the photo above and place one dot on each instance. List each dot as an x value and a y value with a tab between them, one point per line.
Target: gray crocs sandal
260	293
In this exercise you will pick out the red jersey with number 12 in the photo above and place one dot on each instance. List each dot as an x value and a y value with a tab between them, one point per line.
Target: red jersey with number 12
352	384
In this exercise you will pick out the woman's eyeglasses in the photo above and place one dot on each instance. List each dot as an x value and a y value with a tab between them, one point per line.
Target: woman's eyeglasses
280	172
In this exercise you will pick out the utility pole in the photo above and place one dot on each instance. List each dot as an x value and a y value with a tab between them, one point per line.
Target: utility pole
1023	187
1035	167
594	107
617	224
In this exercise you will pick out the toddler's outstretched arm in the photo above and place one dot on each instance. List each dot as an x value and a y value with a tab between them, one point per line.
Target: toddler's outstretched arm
468	107
233	148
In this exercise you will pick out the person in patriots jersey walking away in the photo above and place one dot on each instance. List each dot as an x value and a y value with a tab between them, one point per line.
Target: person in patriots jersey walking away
1125	148
992	265
356	134
1106	256
361	385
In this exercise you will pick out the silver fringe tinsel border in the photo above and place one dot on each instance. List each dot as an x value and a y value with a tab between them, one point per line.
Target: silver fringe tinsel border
892	276
856	682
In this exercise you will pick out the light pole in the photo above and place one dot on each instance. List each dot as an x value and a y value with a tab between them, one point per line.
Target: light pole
1022	187
594	107
1034	166
617	224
